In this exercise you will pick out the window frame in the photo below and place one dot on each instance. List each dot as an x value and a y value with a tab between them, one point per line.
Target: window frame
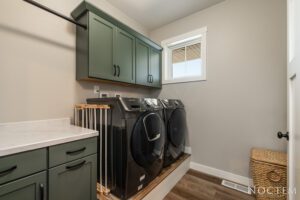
169	45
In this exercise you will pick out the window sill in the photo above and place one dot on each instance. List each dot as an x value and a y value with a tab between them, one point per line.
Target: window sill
184	80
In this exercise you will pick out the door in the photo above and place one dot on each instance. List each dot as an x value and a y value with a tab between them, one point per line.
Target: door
177	129
292	153
29	188
155	68
147	141
102	36
142	63
294	99
75	180
125	57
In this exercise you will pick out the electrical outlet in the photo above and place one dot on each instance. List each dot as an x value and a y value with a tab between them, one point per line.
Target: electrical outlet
96	89
103	94
117	95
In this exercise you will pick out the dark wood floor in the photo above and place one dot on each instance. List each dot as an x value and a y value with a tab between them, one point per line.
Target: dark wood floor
197	186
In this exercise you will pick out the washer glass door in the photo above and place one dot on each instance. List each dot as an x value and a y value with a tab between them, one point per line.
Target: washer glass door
147	140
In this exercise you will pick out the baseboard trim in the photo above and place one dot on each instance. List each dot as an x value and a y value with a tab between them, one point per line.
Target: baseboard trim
222	174
188	150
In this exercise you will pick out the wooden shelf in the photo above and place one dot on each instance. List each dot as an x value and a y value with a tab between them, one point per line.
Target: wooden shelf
164	174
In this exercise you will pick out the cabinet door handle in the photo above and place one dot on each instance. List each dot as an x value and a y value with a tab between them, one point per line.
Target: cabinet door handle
77	166
75	151
149	78
8	171
42	192
119	71
115	70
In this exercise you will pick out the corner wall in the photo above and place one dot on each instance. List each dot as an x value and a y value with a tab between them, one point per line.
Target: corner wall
243	102
37	61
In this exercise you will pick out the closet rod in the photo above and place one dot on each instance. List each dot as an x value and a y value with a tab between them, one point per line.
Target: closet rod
55	13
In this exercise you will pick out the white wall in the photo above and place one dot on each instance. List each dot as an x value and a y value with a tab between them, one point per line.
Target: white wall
243	102
37	61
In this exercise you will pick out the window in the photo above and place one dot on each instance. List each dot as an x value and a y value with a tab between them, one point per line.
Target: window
185	57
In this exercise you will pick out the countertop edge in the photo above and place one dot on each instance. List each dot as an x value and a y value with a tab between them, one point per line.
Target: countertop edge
30	147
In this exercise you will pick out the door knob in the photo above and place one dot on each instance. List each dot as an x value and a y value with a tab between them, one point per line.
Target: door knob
280	135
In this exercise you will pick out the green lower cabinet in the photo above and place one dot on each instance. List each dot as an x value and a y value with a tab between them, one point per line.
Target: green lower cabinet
29	188
75	180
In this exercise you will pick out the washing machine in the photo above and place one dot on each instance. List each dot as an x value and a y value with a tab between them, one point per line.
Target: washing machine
176	130
135	145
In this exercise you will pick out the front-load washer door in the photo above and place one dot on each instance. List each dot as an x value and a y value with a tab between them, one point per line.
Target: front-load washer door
177	127
147	139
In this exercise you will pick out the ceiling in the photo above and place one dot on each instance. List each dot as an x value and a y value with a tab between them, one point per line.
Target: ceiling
153	14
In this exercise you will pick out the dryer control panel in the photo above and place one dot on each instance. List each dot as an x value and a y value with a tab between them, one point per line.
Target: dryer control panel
141	104
172	103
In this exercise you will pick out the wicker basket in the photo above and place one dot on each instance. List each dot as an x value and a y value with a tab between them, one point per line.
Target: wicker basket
269	171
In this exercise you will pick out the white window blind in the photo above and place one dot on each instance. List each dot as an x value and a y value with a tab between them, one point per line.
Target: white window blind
186	61
185	57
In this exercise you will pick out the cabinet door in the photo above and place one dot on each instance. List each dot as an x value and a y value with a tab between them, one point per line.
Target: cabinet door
142	63
155	68
75	180
125	57
101	48
29	188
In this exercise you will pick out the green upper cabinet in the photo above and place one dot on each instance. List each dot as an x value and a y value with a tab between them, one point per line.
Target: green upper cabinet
148	65
29	188
110	50
155	68
125	56
109	53
142	63
102	43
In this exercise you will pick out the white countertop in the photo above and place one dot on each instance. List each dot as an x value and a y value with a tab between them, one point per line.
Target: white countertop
24	136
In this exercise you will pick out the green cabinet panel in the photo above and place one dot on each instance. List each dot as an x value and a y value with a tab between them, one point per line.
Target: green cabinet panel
30	188
105	52
148	65
101	48
85	7
23	164
142	63
125	57
109	50
67	152
155	68
74	180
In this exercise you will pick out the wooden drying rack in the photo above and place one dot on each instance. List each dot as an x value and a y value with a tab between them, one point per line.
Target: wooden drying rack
88	112
89	120
91	106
